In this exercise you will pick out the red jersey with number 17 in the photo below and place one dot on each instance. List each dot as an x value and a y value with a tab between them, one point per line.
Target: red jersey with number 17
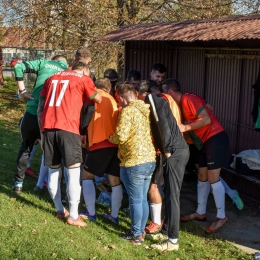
64	94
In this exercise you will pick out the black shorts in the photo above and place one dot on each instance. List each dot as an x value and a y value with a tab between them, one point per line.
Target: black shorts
157	176
102	161
215	151
59	144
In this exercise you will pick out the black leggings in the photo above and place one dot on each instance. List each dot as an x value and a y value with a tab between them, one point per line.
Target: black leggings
30	132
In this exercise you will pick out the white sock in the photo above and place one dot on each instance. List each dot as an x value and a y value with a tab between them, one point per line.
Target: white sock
203	189
116	199
219	196
89	194
156	213
44	170
73	191
229	191
54	188
31	156
173	240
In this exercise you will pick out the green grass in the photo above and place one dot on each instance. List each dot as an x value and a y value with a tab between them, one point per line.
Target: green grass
29	229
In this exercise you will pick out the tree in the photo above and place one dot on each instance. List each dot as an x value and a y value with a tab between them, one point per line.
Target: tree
66	24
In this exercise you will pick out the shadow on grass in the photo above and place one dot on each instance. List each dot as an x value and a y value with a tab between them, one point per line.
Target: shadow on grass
24	201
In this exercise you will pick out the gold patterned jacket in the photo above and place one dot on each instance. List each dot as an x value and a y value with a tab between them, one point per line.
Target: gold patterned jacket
133	135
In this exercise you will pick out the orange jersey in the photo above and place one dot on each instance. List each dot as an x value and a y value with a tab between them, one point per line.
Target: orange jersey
104	120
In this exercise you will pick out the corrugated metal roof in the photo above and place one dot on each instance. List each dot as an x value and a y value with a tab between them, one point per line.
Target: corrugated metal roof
228	29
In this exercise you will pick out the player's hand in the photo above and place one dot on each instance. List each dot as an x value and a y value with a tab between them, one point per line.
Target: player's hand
182	128
83	141
26	96
168	155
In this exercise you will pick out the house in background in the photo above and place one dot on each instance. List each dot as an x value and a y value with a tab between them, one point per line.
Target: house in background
16	43
218	59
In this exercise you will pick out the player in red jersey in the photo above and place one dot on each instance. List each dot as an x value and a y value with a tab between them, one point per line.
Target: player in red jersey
212	142
59	109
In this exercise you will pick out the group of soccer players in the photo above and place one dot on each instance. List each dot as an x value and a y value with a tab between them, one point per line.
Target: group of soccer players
137	133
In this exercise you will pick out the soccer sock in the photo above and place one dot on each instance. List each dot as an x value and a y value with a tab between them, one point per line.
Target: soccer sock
116	199
229	191
203	189
173	240
98	180
31	156
155	210
219	196
43	173
89	193
73	191
54	188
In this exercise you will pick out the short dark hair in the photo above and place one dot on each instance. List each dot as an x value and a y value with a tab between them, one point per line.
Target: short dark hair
172	84
142	86
135	74
79	65
59	57
159	67
110	74
82	53
123	88
103	83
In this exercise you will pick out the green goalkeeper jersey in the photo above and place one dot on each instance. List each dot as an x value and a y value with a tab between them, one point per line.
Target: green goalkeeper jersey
44	69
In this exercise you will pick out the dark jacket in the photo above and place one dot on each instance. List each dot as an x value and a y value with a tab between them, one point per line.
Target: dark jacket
165	130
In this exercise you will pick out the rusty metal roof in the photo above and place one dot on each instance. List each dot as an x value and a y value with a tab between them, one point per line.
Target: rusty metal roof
228	29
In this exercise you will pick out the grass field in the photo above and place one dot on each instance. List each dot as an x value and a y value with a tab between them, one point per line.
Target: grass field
30	230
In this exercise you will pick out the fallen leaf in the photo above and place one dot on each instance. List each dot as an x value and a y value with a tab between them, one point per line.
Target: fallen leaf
106	247
34	232
53	254
113	246
71	232
19	225
45	221
177	258
71	258
99	238
94	257
191	245
71	240
13	199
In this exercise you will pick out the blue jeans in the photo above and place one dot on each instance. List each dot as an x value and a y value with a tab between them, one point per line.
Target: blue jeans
137	180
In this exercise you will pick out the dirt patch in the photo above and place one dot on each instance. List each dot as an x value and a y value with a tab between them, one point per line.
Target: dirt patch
243	226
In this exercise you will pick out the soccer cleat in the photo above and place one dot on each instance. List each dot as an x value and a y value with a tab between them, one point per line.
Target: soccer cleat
30	172
237	201
159	236
216	225
62	215
76	222
114	220
166	245
131	238
86	215
194	216
129	233
153	227
18	187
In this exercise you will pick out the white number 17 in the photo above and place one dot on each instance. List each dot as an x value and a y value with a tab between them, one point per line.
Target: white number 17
54	84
